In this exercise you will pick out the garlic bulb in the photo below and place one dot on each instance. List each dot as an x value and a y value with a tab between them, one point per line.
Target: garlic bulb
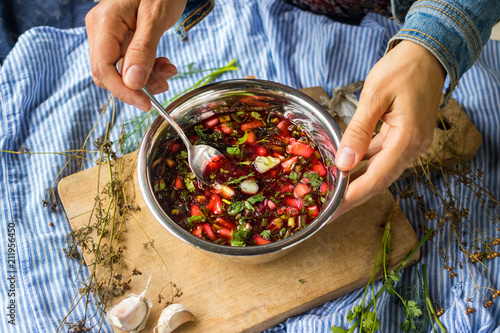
172	317
131	313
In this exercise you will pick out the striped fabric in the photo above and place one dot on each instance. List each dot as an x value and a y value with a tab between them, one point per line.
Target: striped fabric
49	103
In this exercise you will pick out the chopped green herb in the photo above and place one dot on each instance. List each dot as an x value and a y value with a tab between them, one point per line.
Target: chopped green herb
293	176
302	281
242	139
314	179
266	234
239	236
235	208
256	198
216	136
233	150
195	218
239	180
249	206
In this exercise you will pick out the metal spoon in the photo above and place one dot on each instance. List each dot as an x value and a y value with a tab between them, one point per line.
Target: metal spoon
199	156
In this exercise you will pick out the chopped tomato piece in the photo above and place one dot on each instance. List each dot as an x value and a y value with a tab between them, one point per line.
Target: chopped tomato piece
294	202
198	231
273	173
174	147
252	124
313	211
299	148
225	232
251	138
319	168
226	128
287	188
323	188
225	223
208	231
215	204
291	211
261	151
283	127
300	190
259	240
211	122
195	210
287	165
178	183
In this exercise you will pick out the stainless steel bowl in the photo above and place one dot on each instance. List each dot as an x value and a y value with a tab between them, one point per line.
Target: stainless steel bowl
191	108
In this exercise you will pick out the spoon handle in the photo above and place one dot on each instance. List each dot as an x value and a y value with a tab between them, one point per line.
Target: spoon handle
158	107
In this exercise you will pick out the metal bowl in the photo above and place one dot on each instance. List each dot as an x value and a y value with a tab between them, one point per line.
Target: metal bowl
191	108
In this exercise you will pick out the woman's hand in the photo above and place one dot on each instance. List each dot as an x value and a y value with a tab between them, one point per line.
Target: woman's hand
131	29
403	90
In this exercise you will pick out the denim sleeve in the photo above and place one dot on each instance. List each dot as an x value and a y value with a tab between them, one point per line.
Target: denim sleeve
195	11
455	31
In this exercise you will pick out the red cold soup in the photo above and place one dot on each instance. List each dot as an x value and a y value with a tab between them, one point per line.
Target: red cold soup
272	185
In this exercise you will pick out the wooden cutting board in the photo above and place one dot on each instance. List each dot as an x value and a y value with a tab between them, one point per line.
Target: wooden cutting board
232	297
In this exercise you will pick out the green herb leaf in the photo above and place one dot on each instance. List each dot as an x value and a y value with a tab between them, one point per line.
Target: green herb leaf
235	208
370	322
394	277
189	184
249	206
233	150
256	198
266	234
314	179
336	329
293	175
195	218
412	309
239	236
354	313
242	139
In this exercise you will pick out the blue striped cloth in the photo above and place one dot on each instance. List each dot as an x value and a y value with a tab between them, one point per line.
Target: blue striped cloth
49	103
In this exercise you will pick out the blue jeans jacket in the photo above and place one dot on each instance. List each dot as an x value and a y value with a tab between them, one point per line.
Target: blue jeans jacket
455	31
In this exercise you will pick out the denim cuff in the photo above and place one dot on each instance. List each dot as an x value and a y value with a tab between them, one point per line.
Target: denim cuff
448	31
195	11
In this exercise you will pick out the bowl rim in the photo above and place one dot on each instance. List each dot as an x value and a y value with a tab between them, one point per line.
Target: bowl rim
146	187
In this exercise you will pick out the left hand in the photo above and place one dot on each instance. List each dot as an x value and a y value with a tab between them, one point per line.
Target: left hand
403	90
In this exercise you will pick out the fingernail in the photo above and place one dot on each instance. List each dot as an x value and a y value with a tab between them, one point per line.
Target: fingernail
345	158
135	78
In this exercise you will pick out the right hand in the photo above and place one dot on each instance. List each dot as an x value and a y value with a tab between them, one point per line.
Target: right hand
131	29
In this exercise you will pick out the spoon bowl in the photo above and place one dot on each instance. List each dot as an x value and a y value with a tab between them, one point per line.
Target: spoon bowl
199	156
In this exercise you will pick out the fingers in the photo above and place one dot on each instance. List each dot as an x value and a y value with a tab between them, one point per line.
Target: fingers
359	133
381	170
131	29
162	71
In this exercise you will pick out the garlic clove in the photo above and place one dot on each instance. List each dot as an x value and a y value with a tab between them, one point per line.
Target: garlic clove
132	313
172	317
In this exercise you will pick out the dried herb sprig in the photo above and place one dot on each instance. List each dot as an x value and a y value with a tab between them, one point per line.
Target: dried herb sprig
439	199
